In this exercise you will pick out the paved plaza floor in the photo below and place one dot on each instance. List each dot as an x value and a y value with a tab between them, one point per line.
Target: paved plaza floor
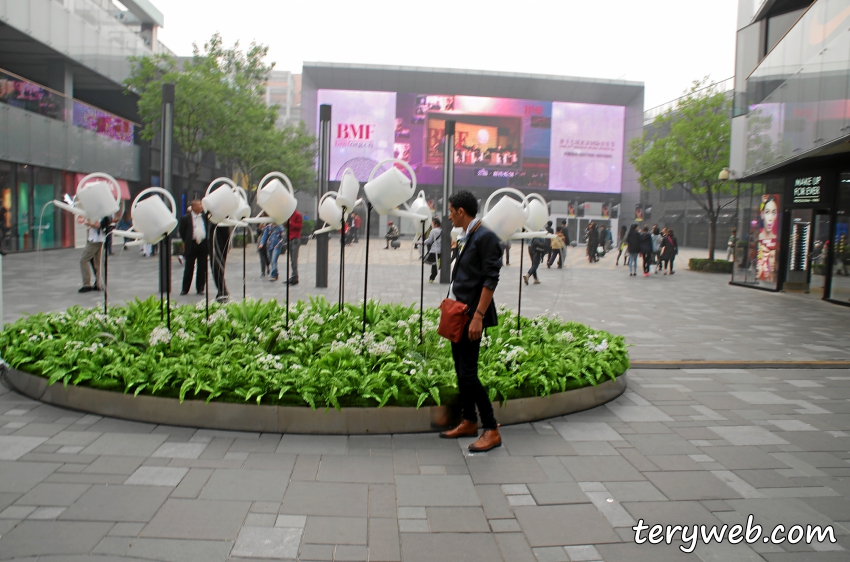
690	446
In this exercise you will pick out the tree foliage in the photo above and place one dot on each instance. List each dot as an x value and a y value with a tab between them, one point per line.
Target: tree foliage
692	153
220	108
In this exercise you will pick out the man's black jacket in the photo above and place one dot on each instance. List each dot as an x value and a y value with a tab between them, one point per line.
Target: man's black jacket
477	267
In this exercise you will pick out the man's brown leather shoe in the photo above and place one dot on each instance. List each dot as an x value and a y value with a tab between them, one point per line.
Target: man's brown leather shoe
490	439
465	429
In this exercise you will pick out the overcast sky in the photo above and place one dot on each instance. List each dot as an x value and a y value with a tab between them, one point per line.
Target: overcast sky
665	44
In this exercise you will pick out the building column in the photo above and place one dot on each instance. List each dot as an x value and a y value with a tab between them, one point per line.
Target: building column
60	77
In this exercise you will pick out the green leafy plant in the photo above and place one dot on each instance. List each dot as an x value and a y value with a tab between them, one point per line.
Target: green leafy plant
322	359
710	266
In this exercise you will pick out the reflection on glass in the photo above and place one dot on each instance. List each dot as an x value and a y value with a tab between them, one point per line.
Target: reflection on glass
840	287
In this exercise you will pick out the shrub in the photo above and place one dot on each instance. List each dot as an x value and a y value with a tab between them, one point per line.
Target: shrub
246	353
710	266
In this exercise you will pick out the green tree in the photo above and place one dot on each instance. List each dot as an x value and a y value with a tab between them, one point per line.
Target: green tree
692	153
220	108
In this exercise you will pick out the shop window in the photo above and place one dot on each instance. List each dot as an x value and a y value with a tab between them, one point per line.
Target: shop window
840	285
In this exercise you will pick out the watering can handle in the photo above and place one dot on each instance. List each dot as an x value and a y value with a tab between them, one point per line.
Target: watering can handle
334	193
157	190
510	190
228	181
394	161
116	189
279	175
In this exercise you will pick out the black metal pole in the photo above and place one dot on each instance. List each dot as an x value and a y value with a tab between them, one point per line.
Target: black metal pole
288	260
167	251
324	174
342	260
519	299
366	275
207	286
448	189
421	280
244	250
105	275
166	135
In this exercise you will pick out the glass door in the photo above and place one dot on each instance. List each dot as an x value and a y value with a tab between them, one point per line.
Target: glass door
800	246
820	253
840	285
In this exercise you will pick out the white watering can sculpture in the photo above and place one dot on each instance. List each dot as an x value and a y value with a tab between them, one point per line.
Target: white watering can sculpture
152	220
94	200
509	216
332	203
276	200
393	188
221	204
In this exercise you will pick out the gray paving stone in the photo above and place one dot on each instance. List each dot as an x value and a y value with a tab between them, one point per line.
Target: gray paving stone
413	526
253	485
412	513
262	542
435	491
634	491
306	467
662	445
16	512
549	525
555	493
678	462
197	519
690	486
169	550
747	435
531	445
313	444
490	470
117	503
448	547
514	547
629	413
405	461
180	450
13	447
627	552
351	553
336	530
291	521
604	469
53	494
45	538
316	552
554	469
586	431
113	545
382	500
261	520
265	443
582	553
440	457
7	499
124	465
671	513
505	526
47	513
327	498
157	476
370	442
523	499
368	470
265	461
125	444
457	520
192	484
551	554
126	529
72	437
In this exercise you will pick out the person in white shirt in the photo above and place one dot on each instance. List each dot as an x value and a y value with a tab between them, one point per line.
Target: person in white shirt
92	255
193	231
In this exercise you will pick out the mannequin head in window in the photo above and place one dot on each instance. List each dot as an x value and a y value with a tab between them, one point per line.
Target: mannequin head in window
769	216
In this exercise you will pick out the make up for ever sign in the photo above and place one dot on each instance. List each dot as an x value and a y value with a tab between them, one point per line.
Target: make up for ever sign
807	189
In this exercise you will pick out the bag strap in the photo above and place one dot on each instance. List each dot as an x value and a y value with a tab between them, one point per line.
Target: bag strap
457	261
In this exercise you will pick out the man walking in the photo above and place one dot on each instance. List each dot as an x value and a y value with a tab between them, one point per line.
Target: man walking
219	238
392	234
193	232
92	254
474	279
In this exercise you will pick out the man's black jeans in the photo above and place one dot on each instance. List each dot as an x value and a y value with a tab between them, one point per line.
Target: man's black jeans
472	392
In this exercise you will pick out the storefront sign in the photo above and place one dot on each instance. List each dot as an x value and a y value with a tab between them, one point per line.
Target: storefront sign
807	190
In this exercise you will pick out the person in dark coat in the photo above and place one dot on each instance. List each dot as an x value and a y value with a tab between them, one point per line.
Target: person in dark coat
474	280
592	243
633	247
669	249
622	243
646	250
193	228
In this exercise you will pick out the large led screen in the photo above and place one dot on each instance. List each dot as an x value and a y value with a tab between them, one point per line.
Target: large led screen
499	142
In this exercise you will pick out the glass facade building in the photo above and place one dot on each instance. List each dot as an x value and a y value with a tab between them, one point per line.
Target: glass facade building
790	146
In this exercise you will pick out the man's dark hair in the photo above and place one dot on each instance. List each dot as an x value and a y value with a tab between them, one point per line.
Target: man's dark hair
466	201
436	221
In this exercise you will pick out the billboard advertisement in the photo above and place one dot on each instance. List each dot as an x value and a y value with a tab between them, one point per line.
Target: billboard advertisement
499	142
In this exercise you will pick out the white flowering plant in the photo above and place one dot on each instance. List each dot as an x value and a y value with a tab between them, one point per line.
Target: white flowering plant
321	359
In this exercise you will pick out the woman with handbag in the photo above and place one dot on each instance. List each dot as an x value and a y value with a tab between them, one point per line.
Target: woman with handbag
432	248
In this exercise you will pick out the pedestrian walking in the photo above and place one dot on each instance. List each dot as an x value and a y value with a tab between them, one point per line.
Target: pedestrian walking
730	245
391	236
633	248
646	250
592	241
538	249
92	254
272	243
293	234
261	250
564	233
622	244
669	249
557	244
432	248
506	247
193	228
656	249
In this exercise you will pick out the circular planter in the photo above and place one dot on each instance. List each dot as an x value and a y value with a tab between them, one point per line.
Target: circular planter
291	419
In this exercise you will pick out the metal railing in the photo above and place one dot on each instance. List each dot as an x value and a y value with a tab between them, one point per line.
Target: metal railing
720	87
24	94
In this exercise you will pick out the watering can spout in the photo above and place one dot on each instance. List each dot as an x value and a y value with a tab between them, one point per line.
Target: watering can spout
67	207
